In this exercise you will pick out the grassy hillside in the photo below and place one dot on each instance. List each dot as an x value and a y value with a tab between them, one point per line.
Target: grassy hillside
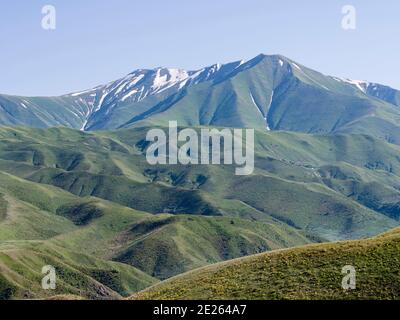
33	217
348	184
98	248
166	246
21	264
94	193
309	272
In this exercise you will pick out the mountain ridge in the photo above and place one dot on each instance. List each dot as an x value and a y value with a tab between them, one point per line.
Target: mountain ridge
268	91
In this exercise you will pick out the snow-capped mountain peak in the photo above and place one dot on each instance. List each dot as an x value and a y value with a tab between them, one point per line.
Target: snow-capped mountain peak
137	86
140	92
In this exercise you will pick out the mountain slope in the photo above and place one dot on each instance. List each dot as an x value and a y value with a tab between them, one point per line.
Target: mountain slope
309	272
105	106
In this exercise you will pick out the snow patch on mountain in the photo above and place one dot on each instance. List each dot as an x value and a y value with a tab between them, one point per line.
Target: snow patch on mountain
76	94
265	117
296	66
269	107
256	105
359	84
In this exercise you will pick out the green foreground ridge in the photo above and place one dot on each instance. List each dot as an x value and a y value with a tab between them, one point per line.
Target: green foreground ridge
308	272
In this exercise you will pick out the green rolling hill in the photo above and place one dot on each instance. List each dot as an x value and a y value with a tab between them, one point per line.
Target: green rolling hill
77	274
309	272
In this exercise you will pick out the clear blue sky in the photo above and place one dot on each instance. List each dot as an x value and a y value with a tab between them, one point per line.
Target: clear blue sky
97	41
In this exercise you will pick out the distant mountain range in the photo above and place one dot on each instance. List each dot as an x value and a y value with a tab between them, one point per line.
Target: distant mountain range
266	92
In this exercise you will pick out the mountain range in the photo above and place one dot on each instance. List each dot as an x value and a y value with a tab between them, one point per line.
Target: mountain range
77	192
270	92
